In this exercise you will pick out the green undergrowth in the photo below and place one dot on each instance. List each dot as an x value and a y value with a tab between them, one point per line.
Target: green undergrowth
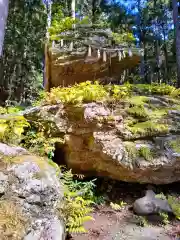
76	207
175	145
174	202
134	152
148	128
38	140
12	129
146	153
93	91
138	111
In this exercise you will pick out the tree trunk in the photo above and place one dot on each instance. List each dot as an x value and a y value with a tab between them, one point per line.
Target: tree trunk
4	4
177	38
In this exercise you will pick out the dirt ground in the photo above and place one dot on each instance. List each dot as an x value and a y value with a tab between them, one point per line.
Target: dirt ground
123	225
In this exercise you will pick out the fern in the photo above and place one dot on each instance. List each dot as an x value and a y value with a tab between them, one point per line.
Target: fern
146	153
76	207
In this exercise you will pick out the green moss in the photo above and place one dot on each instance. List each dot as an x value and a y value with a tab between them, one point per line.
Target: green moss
148	128
137	100
175	145
138	111
40	175
174	202
159	89
146	153
131	149
130	121
158	113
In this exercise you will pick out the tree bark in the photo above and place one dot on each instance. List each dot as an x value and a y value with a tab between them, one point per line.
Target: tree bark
4	4
177	38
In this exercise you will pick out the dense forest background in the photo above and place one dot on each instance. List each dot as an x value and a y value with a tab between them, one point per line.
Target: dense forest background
152	25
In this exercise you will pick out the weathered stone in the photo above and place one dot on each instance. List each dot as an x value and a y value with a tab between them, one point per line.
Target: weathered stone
31	183
95	142
151	205
11	150
3	183
45	229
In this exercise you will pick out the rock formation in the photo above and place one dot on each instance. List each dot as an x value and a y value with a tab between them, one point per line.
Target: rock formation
134	140
149	204
29	194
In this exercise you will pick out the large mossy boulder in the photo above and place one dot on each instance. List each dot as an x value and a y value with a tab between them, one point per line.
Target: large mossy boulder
29	194
129	133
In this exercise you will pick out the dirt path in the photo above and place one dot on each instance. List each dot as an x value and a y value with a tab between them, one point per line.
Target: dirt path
112	225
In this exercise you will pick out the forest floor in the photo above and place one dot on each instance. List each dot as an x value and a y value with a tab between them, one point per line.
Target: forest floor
109	224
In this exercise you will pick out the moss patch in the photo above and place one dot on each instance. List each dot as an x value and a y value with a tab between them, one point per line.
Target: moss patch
148	128
175	145
138	111
131	149
146	153
12	222
137	100
40	161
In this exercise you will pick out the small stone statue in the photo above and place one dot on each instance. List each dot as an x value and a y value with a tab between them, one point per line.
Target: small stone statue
149	204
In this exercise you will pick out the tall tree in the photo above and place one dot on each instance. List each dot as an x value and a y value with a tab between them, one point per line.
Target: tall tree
3	18
176	18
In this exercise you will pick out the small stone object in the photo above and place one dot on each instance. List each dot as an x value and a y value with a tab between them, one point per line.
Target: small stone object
149	204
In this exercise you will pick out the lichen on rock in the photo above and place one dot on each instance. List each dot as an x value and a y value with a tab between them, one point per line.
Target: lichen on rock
28	204
116	134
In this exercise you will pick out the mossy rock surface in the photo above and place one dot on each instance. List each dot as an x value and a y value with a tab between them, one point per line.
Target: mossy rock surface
30	191
110	122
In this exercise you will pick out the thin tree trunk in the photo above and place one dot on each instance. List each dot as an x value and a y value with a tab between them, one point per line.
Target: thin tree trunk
73	12
158	59
4	4
177	38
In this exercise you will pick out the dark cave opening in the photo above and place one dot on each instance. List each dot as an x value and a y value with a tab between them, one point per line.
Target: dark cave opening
59	155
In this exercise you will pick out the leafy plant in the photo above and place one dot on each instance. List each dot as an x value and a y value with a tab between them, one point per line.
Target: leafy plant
175	145
146	153
12	128
160	196
76	206
174	202
118	207
120	91
126	37
165	217
38	140
141	221
83	92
